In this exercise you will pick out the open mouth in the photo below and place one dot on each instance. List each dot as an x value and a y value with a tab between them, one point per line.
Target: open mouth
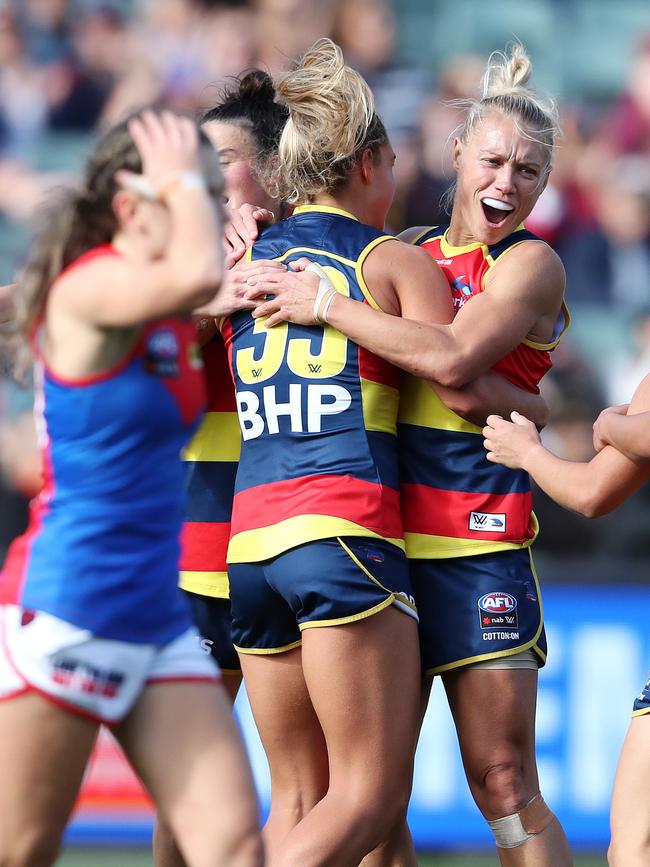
495	210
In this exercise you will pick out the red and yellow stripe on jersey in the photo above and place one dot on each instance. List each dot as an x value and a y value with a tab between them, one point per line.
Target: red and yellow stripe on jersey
455	502
318	414
211	461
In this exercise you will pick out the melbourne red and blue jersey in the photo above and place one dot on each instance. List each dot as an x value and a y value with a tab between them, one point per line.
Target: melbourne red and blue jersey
317	413
102	548
454	501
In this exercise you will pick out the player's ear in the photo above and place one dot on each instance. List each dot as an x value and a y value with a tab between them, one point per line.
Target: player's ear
367	165
456	153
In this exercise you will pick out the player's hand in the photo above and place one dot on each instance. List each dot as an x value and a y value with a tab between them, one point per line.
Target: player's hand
168	146
509	443
243	229
293	294
600	425
234	289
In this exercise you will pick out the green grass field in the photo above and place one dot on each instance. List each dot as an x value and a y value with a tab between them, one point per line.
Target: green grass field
139	858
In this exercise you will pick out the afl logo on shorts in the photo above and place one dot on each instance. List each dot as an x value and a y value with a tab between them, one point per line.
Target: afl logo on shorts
497	609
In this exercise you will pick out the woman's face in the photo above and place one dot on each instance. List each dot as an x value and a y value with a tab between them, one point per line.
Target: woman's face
500	175
236	148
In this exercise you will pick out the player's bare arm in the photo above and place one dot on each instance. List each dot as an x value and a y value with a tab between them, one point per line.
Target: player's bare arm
522	299
592	489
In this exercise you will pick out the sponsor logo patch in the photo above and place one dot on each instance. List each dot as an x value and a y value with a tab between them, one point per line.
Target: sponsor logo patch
499	610
487	522
74	674
162	354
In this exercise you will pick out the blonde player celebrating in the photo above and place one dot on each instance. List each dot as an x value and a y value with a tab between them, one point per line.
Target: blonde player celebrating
620	467
468	528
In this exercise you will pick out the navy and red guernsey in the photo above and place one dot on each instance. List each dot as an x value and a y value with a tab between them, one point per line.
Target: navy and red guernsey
455	502
318	413
102	548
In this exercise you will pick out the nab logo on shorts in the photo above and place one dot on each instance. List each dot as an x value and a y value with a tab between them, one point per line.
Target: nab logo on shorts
487	522
497	609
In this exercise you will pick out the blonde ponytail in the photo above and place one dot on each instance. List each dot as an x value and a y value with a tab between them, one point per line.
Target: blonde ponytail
331	119
504	89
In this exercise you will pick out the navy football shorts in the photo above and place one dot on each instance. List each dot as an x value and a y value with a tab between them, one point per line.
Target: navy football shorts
473	609
322	583
642	701
212	618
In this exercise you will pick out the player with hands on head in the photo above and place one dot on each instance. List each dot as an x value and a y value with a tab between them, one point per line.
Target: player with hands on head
94	629
594	488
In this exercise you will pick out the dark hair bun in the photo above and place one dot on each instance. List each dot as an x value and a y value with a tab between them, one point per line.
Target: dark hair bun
256	86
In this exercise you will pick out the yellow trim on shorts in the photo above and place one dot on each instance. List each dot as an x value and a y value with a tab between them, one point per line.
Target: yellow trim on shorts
267	651
264	543
499	654
213	584
398	596
362	615
340	621
643	712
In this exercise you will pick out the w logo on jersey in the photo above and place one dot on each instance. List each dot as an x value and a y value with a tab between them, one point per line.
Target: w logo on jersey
487	522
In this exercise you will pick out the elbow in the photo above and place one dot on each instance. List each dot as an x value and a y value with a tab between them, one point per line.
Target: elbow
454	374
594	503
465	403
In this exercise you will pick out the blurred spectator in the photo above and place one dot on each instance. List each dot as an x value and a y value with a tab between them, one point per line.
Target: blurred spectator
440	118
286	28
609	261
626	128
23	101
625	371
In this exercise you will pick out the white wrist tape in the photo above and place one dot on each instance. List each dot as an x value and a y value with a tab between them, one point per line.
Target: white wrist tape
326	306
324	286
140	184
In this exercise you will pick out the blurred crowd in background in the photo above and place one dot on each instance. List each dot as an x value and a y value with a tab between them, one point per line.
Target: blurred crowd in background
69	68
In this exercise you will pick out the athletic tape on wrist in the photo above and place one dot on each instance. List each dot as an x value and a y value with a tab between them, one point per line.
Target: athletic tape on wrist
144	187
324	287
326	306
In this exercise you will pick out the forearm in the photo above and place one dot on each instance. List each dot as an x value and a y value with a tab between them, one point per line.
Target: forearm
592	489
630	434
427	351
492	394
194	253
